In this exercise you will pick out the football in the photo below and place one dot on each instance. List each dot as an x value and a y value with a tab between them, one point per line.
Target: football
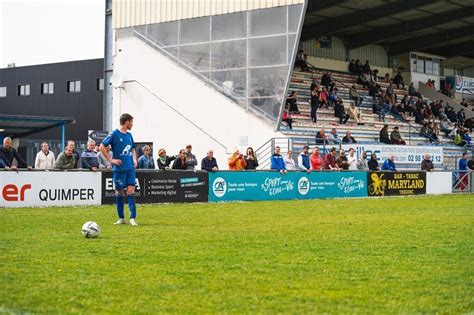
91	229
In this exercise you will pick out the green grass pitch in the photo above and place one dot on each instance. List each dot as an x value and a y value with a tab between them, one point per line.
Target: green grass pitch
393	255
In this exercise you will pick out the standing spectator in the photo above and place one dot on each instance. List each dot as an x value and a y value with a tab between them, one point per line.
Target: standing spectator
236	161
292	103
332	137
384	137
66	160
355	114
427	164
463	175
362	162
181	162
290	164
330	160
44	158
470	164
340	113
398	80
146	160
164	161
316	161
354	96
190	158
303	160
89	158
209	163
278	162
352	160
321	137
389	164
103	162
314	103
373	163
396	137
342	161
8	153
72	144
250	159
348	138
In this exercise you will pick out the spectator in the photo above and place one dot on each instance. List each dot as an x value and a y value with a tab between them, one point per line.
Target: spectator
461	117
44	158
8	153
72	144
327	82
278	162
323	98
386	77
363	79
300	61
292	103
352	160
303	160
427	164
190	158
354	96
366	67
463	176
181	161
290	164
348	138
314	103
390	94
358	67
316	161
342	162
351	67
384	137
355	114
389	164
340	113
470	163
334	98
89	158
321	137
287	118
374	76
164	161
330	160
362	162
396	138
465	136
209	163
412	91
103	162
250	159
332	137
373	163
445	126
236	161
2	164
398	80
66	160
458	140
146	160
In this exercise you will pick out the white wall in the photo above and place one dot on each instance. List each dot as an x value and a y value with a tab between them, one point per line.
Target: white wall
439	183
155	121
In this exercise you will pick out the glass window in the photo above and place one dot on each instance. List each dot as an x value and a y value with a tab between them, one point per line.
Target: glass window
3	91
47	88
195	30
420	64
229	26
195	56
234	82
164	34
24	90
268	51
291	46
271	81
436	66
429	66
228	55
268	21
100	84
74	86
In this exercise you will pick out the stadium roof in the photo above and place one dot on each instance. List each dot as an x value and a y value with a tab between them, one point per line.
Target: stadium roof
19	126
438	27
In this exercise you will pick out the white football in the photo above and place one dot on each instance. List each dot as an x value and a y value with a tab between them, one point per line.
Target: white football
91	229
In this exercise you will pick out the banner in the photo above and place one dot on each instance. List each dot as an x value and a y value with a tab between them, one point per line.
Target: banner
323	42
48	189
234	186
464	84
404	154
381	184
161	186
97	135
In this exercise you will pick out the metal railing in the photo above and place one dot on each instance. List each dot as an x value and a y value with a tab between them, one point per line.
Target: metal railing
463	181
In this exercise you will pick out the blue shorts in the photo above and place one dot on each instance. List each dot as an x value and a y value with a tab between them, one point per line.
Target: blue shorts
124	179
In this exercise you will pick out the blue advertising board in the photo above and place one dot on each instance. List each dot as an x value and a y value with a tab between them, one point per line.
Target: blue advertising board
235	186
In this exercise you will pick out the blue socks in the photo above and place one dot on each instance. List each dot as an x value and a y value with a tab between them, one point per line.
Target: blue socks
131	206
119	201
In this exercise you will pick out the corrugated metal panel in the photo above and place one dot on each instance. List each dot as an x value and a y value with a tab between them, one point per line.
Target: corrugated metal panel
128	13
468	72
337	51
374	53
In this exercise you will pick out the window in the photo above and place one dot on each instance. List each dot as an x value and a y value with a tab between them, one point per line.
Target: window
429	66
3	91
73	86
420	64
24	90
47	88
100	84
436	66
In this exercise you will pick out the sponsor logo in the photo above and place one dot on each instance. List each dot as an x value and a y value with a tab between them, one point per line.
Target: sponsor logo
378	185
219	187
459	83
303	186
12	192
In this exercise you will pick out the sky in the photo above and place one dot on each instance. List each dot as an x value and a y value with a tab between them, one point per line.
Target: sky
47	31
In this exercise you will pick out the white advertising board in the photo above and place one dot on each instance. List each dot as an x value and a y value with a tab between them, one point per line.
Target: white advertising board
439	183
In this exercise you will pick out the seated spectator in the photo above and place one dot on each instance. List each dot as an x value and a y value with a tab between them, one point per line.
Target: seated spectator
340	112
351	67
390	94
236	161
164	161
354	96
374	77
285	117
89	158
355	114
8	153
323	98
250	159
332	136
66	160
342	162
445	126
458	140
72	144
447	90
412	91
358	68
386	77
330	160
461	117
181	162
366	67
396	138
348	138
292	103
300	61
44	159
333	98
316	161
146	160
103	162
290	164
352	160
209	163
373	163
427	164
373	90
321	137
191	160
432	132
465	136
362	162
431	84
277	161
398	80
389	164
363	79
451	114
303	160
327	82
384	137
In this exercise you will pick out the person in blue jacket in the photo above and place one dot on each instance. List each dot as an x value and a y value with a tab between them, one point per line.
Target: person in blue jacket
389	164
278	163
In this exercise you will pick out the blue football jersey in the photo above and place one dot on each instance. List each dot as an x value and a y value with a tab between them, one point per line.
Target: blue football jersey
122	149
